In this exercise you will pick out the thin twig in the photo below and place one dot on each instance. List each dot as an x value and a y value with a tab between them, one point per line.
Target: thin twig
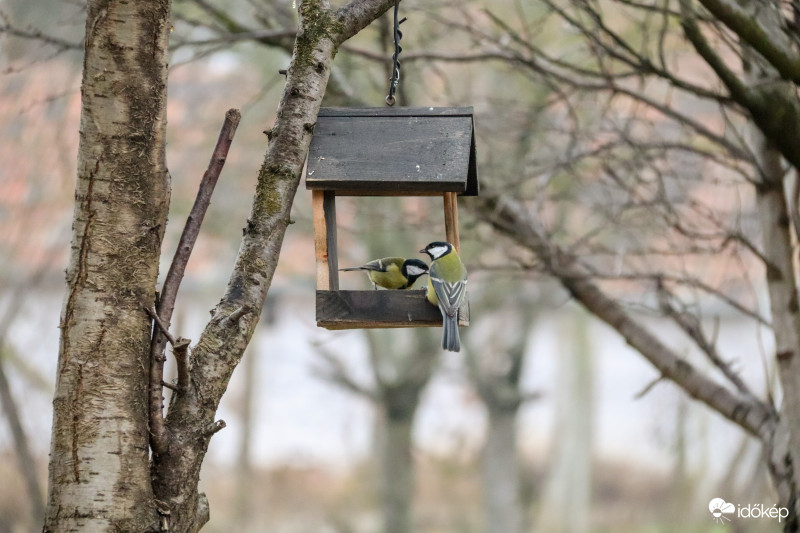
192	228
237	314
169	291
690	325
650	386
38	35
333	371
160	323
267	36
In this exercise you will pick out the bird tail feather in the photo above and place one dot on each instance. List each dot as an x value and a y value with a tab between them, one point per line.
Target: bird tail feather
450	338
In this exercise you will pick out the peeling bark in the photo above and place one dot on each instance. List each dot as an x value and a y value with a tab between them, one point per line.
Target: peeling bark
99	477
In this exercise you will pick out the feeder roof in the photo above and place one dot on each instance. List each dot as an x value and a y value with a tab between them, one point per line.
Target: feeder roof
403	151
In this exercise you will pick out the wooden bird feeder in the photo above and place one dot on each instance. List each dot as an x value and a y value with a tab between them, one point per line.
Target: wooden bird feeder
426	151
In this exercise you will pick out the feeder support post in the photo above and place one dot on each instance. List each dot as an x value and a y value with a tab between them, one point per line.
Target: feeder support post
324	213
451	219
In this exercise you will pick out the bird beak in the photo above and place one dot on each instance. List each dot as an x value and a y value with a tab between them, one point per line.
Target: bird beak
423	251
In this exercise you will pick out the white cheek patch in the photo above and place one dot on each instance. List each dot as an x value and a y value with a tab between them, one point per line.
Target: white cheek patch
415	270
437	251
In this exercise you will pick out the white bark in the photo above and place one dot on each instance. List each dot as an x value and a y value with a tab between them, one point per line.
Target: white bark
99	466
783	300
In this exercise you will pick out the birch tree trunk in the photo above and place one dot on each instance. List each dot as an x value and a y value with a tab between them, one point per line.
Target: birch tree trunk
99	477
401	376
495	370
568	494
501	472
782	451
397	473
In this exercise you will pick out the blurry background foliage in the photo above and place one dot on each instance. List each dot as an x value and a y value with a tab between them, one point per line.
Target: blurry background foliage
306	414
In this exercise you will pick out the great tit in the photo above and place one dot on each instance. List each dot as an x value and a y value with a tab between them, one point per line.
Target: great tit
392	272
447	288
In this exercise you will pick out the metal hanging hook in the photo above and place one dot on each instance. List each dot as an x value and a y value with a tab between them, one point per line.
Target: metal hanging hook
394	81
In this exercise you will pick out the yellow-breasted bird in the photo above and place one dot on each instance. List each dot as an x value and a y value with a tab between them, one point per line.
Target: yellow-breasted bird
392	272
447	288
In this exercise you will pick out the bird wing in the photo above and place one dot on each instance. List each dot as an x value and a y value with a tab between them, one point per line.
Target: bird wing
378	265
450	293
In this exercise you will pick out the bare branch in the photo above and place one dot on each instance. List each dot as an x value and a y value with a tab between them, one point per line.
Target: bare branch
357	14
450	57
509	217
191	230
219	15
579	78
166	303
160	325
693	329
335	372
38	35
706	51
764	40
273	37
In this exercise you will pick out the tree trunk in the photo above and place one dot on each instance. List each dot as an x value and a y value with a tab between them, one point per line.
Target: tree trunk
781	285
782	449
495	373
27	464
501	473
244	466
568	498
401	375
397	474
99	473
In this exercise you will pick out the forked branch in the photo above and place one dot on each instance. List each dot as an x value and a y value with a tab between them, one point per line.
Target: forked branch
169	291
